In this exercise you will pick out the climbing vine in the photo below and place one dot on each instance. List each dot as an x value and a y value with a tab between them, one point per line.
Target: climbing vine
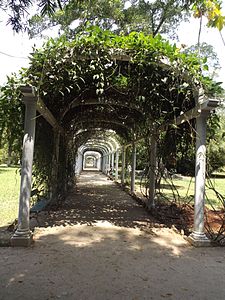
130	84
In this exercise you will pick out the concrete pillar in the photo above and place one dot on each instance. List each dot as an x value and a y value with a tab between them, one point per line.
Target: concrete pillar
123	165
99	163
23	236
106	162
152	170
55	166
103	163
198	237
112	163
133	166
117	165
78	163
109	163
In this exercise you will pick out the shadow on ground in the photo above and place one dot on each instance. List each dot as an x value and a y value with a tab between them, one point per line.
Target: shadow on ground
97	198
100	252
109	262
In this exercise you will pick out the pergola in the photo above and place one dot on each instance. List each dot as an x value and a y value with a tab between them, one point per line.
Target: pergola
91	160
89	116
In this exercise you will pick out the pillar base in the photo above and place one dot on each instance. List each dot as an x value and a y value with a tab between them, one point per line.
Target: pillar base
199	240
18	240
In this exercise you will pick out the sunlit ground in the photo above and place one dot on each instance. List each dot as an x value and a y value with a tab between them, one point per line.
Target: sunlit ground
102	245
86	236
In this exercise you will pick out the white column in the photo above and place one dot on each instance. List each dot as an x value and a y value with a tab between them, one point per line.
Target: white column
78	163
102	163
152	170
23	235
117	165
198	236
109	163
123	165
112	163
132	183
105	163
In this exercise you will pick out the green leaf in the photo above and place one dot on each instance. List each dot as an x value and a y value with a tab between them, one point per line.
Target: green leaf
220	22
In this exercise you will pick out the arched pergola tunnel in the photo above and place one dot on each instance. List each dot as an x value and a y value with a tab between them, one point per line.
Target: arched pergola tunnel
109	151
92	160
108	148
108	125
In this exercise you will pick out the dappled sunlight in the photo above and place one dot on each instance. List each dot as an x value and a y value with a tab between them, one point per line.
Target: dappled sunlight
94	179
95	214
89	169
102	245
85	235
89	236
91	203
105	261
170	240
97	183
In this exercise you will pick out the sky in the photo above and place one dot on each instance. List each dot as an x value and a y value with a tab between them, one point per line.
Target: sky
188	35
15	48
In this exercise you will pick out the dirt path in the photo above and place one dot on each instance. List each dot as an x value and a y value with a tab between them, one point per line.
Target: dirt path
97	198
107	248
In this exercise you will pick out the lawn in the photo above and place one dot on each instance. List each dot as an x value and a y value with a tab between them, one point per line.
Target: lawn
184	189
10	181
9	194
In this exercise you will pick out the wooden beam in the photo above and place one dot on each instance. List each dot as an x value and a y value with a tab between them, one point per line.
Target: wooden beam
45	112
99	122
207	105
80	102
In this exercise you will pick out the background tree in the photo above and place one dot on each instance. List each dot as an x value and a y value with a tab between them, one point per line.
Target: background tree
216	143
18	11
11	121
143	13
206	53
160	16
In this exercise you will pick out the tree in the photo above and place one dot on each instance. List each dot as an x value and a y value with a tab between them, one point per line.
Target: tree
160	16
11	120
141	15
103	13
151	17
18	10
211	9
207	54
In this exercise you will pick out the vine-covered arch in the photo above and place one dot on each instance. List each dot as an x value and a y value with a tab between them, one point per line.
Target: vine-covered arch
99	87
91	160
107	144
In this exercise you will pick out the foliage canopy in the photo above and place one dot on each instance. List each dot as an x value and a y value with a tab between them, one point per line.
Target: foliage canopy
152	17
131	84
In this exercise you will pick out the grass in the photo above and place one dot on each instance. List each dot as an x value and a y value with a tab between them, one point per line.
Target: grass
10	181
9	195
184	189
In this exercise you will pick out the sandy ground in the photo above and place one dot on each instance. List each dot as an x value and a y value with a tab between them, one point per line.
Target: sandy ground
102	245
